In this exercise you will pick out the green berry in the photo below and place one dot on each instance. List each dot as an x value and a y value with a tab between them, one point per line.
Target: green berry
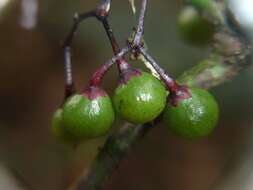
193	28
56	123
88	115
140	99
193	117
201	4
57	127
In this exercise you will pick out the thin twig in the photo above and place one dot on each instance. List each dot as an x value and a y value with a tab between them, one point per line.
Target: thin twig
108	159
121	63
138	48
69	84
101	13
140	27
163	74
110	34
96	78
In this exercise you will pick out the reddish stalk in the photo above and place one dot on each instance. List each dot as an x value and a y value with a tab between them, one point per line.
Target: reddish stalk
98	75
177	92
101	13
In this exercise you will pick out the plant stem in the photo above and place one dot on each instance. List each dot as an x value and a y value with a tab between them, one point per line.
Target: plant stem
170	83
111	37
137	46
115	149
122	63
101	13
98	75
140	26
69	84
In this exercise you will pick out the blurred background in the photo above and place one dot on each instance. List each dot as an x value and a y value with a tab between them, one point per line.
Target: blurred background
31	88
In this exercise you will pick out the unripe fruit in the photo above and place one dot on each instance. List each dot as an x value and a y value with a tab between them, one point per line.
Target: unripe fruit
57	123
58	129
193	117
201	4
139	98
193	28
88	115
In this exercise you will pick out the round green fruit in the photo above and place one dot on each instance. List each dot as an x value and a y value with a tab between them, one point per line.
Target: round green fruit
57	127
201	4
88	115
57	123
193	117
141	99
193	28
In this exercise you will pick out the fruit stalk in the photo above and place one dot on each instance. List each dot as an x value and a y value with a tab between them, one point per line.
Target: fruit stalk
98	75
101	13
122	63
170	83
140	28
137	46
69	84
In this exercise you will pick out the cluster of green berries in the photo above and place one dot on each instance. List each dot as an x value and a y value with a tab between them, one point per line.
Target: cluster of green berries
139	98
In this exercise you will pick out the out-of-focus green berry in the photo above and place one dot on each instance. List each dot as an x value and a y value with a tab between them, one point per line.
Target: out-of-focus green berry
58	129
193	28
201	4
